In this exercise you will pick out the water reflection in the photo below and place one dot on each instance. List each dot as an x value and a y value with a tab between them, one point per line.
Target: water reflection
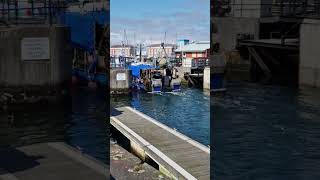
36	124
80	121
266	132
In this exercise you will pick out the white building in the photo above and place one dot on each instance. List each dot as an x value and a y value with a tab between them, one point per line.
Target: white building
191	51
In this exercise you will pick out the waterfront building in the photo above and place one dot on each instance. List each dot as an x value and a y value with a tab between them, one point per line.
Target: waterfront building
155	50
193	50
182	42
122	50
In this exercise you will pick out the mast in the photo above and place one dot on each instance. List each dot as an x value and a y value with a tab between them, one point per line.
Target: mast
140	53
163	45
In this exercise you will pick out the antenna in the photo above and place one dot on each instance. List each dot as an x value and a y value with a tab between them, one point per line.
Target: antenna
176	36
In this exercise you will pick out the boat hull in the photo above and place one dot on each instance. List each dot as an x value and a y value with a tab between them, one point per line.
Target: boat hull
99	78
217	76
217	82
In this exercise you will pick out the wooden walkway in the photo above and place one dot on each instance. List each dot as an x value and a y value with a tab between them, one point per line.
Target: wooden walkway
177	153
49	161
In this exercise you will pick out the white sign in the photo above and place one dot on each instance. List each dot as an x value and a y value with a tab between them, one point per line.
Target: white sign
121	77
35	49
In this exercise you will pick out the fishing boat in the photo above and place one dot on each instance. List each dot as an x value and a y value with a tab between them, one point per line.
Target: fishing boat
89	32
156	84
141	76
167	78
86	68
150	78
175	85
218	74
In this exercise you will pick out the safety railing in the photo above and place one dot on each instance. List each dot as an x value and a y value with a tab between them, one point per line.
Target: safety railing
43	11
31	11
287	8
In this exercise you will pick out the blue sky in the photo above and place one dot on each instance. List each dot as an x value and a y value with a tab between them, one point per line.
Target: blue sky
148	20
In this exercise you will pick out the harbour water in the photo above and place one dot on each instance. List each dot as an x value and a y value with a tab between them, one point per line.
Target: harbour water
79	122
266	132
187	111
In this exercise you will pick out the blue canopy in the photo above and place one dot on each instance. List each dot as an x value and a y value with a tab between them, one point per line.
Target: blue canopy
136	69
83	26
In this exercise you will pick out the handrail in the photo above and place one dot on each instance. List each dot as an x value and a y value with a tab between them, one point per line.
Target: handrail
279	8
14	10
10	10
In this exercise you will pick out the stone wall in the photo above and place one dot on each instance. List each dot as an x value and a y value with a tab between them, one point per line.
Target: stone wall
16	70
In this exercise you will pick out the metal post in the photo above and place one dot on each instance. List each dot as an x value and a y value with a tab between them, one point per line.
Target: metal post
50	12
16	10
32	8
241	8
294	7
140	54
8	8
281	8
2	10
45	9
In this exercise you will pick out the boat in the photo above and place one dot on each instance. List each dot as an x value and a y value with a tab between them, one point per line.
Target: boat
89	32
218	82
162	81
175	85
141	76
156	85
150	78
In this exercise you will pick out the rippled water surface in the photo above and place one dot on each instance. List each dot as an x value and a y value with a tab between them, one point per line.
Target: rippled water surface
81	122
187	111
266	132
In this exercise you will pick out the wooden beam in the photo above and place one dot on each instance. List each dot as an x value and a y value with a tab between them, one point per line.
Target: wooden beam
260	62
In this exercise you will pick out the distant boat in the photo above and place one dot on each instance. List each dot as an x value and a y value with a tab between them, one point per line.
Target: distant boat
89	40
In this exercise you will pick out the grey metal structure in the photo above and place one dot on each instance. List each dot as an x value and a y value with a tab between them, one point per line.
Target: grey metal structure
266	8
30	11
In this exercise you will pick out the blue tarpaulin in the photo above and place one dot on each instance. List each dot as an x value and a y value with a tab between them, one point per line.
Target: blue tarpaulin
217	81
136	69
83	26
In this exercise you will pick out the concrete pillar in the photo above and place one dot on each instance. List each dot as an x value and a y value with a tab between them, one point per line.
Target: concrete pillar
309	67
35	56
120	81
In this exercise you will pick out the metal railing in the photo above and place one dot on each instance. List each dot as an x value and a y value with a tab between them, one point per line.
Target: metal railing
282	8
31	11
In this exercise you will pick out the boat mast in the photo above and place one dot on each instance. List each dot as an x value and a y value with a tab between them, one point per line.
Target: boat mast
140	53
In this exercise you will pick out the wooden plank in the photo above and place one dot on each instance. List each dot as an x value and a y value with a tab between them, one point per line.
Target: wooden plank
260	61
169	148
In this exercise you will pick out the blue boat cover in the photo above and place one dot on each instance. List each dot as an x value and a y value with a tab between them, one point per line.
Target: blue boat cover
83	26
216	81
136	69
